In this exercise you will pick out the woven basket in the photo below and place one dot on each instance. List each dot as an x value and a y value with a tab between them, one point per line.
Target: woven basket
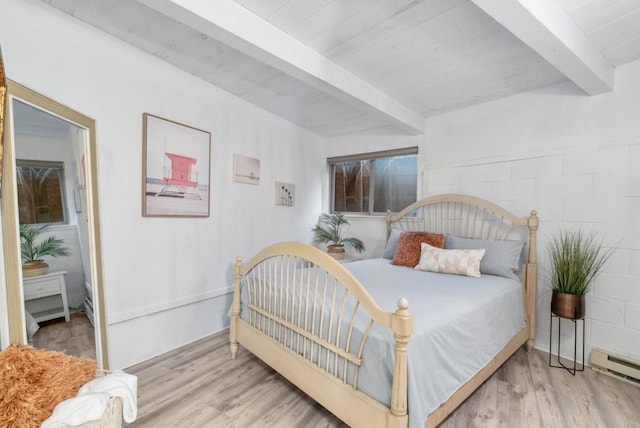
112	417
34	268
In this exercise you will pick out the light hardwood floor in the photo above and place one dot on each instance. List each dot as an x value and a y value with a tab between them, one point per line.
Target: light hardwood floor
75	337
199	385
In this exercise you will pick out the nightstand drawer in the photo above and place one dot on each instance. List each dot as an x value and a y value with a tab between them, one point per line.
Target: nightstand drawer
40	288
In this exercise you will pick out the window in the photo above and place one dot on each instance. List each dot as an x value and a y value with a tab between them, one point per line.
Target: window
374	182
40	192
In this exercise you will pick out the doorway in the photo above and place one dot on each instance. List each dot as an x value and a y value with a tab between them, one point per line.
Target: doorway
51	149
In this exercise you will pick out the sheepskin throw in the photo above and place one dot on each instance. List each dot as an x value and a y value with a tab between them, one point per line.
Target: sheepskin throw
33	381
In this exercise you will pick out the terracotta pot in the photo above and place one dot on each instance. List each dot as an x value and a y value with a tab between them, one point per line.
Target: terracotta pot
568	305
34	268
336	251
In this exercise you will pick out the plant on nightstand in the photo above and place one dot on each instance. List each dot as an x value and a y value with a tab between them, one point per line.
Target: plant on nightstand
576	259
32	251
328	231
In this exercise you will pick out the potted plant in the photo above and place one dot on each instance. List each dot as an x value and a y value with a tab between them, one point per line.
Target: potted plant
328	231
576	259
32	251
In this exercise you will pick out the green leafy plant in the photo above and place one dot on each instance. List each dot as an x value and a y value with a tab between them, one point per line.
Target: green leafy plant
576	259
328	231
32	250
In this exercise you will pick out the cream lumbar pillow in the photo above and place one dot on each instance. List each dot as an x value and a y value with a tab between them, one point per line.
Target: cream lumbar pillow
458	262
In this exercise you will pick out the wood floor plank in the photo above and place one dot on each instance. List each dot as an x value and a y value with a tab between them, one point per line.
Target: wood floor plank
551	403
484	409
622	399
504	403
524	410
199	385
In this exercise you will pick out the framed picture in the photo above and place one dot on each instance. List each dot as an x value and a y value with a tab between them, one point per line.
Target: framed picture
285	194
175	169
246	169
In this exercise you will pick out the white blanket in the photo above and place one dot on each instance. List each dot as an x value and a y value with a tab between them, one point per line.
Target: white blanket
93	399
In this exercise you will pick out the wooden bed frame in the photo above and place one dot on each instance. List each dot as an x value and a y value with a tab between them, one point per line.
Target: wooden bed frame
324	362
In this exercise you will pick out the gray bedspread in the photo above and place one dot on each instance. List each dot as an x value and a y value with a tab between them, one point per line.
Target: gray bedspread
460	324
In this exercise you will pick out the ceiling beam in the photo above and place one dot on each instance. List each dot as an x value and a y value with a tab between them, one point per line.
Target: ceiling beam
547	29
236	26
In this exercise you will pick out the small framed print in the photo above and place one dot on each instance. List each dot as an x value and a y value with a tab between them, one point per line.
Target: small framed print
246	169
285	194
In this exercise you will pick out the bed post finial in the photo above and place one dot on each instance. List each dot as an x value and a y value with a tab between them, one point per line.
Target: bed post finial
235	309
402	326
403	303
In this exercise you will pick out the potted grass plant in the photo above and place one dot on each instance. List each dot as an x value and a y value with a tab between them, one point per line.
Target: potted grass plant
33	249
328	231
576	260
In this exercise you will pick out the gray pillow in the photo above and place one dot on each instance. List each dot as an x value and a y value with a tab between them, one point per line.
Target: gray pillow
392	244
502	258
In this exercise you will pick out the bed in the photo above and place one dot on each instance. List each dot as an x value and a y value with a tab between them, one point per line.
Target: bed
344	332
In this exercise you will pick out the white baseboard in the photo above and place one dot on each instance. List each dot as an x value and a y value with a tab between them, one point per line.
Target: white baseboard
155	308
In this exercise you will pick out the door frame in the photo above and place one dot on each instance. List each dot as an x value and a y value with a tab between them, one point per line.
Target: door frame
10	222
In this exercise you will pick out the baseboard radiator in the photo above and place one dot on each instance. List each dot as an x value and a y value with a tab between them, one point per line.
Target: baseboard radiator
615	365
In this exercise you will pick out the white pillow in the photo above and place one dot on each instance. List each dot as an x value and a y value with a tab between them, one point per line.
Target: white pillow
458	262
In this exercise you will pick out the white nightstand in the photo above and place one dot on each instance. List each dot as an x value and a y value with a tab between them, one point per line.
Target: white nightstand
50	284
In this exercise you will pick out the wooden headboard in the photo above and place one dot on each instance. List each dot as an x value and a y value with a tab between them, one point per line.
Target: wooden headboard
472	217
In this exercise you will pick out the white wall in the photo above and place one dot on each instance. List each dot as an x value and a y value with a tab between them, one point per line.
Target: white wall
574	158
166	279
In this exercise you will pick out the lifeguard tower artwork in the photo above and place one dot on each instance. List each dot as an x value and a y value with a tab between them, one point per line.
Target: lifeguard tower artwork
176	169
178	178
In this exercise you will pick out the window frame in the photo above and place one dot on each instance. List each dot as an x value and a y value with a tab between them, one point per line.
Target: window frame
58	165
370	156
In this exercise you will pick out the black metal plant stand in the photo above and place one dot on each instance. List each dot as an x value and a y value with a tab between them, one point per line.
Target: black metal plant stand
573	369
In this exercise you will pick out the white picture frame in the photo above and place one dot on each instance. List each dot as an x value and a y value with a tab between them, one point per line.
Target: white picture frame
285	194
246	169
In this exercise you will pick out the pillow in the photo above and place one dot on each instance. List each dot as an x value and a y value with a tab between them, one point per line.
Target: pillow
503	258
458	262
408	251
33	381
392	244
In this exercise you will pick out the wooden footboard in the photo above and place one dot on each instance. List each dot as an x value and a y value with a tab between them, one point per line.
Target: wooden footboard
301	311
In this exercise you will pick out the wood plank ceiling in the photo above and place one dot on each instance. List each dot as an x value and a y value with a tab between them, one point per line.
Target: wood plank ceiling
612	25
379	64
